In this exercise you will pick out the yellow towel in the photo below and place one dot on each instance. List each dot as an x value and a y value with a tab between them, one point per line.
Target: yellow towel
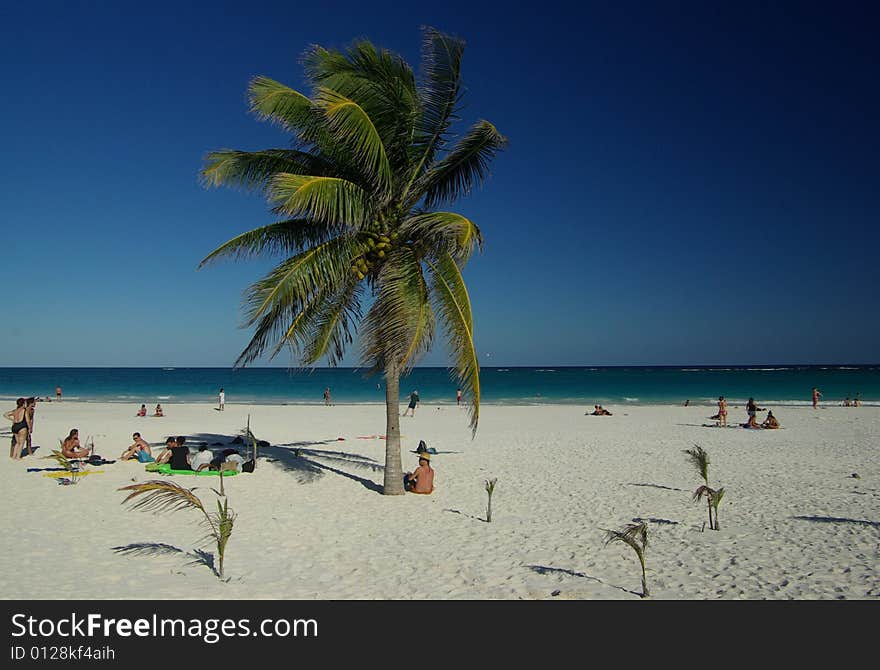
56	475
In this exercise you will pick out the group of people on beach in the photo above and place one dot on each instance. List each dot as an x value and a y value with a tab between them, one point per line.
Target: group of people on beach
598	410
752	410
143	411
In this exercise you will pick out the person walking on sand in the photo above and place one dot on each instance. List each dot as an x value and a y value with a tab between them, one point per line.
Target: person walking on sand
458	397
413	401
816	396
20	428
327	399
421	480
221	400
58	393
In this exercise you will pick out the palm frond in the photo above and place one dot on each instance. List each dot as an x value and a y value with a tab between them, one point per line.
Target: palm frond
381	82
633	534
701	492
331	200
253	170
352	128
700	460
293	281
287	237
464	167
334	323
400	324
454	305
272	100
286	304
444	232
439	92
162	496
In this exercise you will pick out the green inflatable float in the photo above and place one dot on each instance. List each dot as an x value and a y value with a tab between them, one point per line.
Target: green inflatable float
165	469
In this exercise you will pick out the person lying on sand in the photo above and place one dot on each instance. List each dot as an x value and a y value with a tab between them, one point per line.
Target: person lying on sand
71	447
140	446
422	479
770	422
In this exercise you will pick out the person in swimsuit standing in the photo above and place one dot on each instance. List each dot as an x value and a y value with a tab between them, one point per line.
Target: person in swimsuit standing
816	396
30	406
722	411
20	428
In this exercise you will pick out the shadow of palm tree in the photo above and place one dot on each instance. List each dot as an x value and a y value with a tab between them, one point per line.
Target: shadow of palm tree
304	463
662	522
469	516
656	486
832	519
545	570
197	557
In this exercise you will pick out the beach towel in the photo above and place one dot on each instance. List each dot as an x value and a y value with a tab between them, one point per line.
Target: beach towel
81	473
165	469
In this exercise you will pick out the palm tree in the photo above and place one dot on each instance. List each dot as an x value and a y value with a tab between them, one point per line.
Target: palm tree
635	535
162	496
700	460
356	201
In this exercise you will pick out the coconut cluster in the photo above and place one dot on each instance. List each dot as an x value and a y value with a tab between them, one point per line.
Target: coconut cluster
379	244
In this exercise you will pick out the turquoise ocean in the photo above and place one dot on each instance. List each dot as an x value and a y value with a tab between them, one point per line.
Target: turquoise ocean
611	386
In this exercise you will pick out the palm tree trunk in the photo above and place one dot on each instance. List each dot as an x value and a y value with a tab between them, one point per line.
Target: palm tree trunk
645	593
393	484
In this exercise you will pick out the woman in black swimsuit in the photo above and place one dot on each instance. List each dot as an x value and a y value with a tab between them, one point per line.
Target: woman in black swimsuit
20	428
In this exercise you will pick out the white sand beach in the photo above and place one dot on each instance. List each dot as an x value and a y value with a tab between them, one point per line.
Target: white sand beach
795	523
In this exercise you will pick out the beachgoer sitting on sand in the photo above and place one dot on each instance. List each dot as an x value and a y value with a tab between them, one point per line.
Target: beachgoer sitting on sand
857	400
71	447
422	479
228	459
600	411
158	411
142	411
165	456
751	409
140	446
770	422
846	402
202	459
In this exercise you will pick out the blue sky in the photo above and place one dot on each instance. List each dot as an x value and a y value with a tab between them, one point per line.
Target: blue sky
685	183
